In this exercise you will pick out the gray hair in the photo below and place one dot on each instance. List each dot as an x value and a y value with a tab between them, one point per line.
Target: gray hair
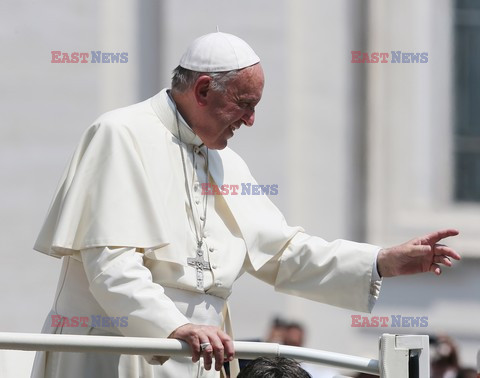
184	79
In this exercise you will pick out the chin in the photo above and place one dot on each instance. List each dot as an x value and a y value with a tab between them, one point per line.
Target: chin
217	145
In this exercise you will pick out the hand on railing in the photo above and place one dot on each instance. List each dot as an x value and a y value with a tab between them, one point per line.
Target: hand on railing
207	341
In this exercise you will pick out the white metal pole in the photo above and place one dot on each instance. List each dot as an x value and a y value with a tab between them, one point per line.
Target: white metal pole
172	347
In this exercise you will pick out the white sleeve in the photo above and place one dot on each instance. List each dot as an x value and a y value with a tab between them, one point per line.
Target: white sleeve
123	286
375	274
340	273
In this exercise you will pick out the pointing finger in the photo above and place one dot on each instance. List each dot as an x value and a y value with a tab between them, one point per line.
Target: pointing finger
436	236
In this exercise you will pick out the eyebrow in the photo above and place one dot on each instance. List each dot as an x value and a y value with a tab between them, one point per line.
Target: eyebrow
248	99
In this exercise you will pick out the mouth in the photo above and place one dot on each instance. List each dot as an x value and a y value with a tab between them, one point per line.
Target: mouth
234	127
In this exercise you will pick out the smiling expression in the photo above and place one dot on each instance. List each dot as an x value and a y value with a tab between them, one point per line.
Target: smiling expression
225	112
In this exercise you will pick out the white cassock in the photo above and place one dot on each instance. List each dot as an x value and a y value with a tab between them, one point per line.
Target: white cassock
122	222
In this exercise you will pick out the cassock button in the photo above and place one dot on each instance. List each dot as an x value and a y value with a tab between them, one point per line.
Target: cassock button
218	283
214	266
202	218
211	249
197	202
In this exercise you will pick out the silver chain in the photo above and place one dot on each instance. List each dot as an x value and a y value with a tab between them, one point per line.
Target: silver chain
198	232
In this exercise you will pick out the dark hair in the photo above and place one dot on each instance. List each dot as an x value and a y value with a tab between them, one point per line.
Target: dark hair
275	367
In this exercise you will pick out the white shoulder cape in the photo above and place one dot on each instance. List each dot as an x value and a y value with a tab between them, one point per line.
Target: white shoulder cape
117	188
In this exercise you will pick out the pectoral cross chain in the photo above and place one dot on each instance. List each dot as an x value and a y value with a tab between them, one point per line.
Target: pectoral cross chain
200	264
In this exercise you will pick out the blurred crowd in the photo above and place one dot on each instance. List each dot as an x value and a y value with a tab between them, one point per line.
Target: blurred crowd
292	333
444	358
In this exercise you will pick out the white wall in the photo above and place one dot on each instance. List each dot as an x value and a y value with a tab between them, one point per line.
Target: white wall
410	160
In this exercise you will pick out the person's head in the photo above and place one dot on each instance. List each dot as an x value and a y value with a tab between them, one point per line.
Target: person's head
294	335
443	355
275	367
277	331
216	87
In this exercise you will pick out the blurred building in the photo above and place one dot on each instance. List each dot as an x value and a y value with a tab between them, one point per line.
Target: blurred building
375	152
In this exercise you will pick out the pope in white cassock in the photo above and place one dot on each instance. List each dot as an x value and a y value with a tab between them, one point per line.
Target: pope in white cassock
140	242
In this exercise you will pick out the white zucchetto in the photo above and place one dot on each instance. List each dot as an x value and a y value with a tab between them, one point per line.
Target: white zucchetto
218	52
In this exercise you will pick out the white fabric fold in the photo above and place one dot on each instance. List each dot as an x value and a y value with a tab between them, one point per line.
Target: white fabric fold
123	286
338	273
104	198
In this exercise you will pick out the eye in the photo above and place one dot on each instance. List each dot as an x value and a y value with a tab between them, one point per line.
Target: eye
246	105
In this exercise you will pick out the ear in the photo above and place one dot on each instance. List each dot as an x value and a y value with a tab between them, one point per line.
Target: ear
201	88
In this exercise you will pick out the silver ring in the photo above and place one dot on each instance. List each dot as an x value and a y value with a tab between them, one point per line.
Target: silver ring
204	346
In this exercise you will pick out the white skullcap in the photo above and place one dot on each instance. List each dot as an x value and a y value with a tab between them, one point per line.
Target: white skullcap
217	52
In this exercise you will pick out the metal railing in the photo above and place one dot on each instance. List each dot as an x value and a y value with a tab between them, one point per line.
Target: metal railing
395	351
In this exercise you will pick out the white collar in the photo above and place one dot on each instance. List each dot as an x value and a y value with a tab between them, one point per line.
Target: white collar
165	108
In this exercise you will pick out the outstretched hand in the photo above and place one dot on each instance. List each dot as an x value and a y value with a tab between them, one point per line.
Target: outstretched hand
419	255
217	343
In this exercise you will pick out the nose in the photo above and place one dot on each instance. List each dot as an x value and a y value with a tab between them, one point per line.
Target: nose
249	117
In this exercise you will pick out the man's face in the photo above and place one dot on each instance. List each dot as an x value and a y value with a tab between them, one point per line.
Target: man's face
226	112
294	336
